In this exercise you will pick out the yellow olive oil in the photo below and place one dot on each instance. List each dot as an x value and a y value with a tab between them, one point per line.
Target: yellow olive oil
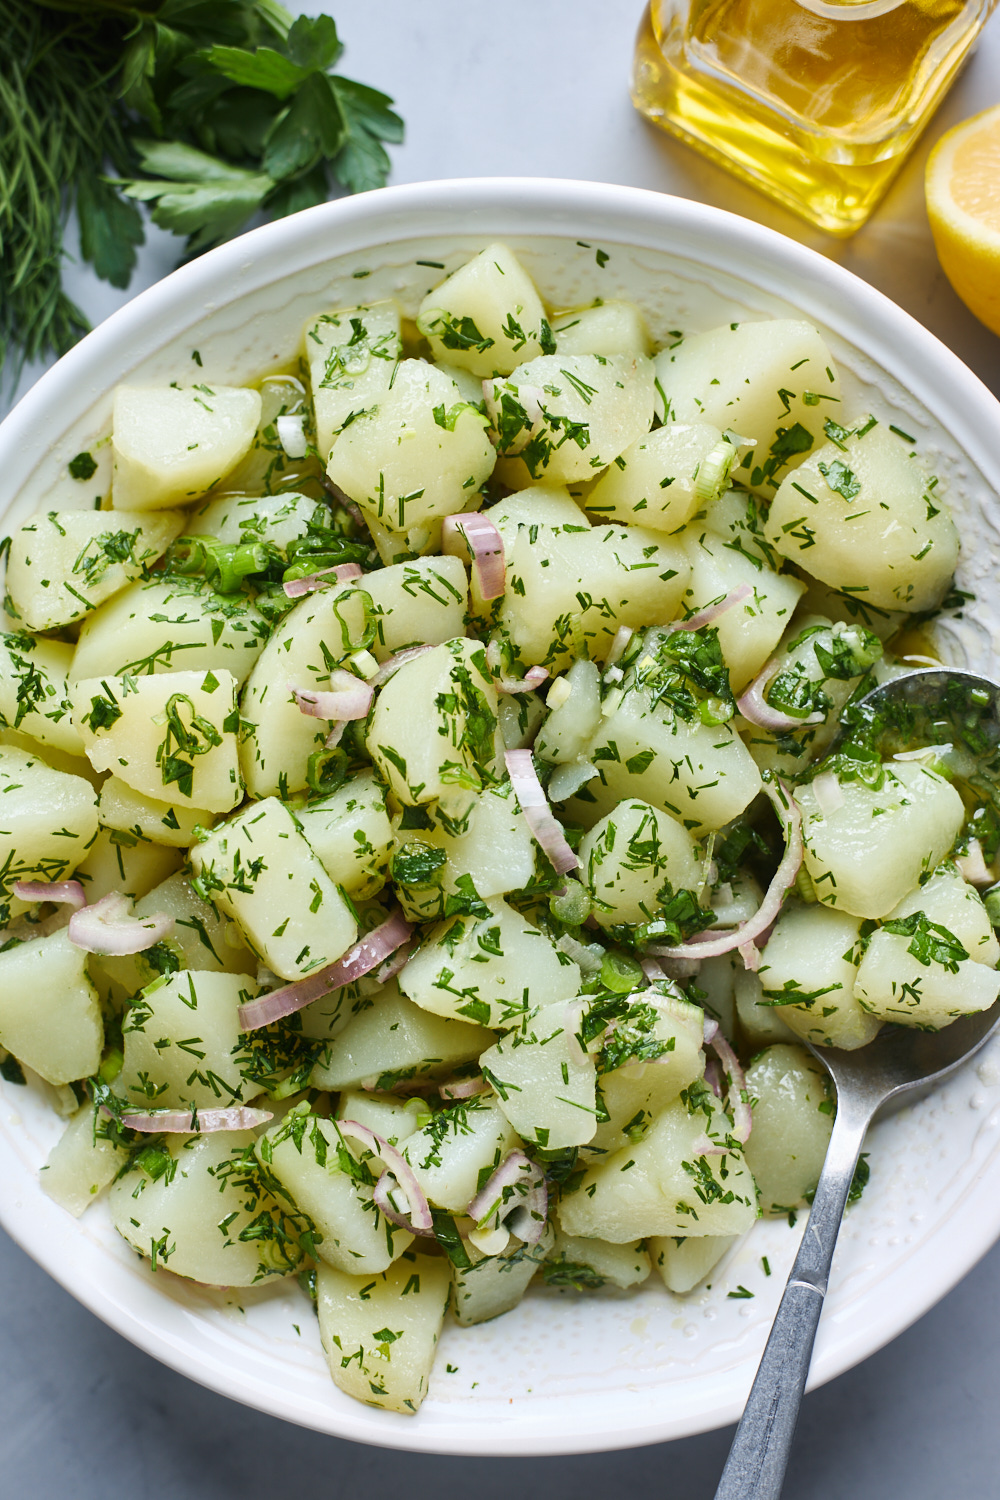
816	102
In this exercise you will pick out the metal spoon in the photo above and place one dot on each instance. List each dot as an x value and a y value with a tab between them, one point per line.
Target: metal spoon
936	707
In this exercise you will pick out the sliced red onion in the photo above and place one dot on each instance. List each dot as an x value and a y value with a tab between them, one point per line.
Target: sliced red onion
321	580
517	1177
62	892
713	611
791	826
750	954
713	1077
532	679
464	1088
710	1029
373	949
829	793
108	927
419	1220
623	635
651	969
350	698
393	663
480	536
756	710
195	1121
394	965
292	435
335	736
545	829
739	1099
971	864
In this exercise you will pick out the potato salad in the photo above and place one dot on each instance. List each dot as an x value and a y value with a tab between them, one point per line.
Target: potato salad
426	841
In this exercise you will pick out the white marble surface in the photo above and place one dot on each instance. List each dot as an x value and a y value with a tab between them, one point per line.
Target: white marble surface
536	89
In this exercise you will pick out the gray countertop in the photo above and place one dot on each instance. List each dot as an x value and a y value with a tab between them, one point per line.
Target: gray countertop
533	89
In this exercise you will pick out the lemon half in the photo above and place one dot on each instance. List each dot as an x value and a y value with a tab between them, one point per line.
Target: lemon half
963	204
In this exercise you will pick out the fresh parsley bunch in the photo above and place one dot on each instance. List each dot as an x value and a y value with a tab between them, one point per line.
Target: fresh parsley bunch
211	111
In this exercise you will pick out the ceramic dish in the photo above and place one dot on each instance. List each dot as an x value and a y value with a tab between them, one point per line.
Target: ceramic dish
563	1373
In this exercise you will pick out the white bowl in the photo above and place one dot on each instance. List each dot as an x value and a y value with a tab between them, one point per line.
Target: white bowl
561	1374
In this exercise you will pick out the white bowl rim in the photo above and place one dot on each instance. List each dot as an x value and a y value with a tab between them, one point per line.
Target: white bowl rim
526	206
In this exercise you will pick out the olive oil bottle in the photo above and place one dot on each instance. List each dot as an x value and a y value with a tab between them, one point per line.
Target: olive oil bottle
816	102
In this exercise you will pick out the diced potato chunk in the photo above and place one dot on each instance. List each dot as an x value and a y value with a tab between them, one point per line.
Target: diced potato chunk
569	592
122	862
277	738
653	483
417	603
432	731
198	1207
82	1162
862	516
495	854
260	870
280	518
493	1284
808	969
940	965
488	969
749	630
313	1163
759	1024
393	1118
792	1121
64	563
448	1155
33	693
49	1015
700	773
569	416
608	328
548	505
545	1082
949	899
172	445
380	1340
420	454
871	851
634	860
634	1093
49	819
574	704
351	836
183	1045
122	808
393	1040
487	316
201	939
170	625
352	356
683	1263
661	1186
773	381
590	1263
174	734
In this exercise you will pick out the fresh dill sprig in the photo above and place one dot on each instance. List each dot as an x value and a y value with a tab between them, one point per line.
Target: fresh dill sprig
210	113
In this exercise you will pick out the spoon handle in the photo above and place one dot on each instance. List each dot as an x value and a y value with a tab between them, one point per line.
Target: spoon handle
755	1468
